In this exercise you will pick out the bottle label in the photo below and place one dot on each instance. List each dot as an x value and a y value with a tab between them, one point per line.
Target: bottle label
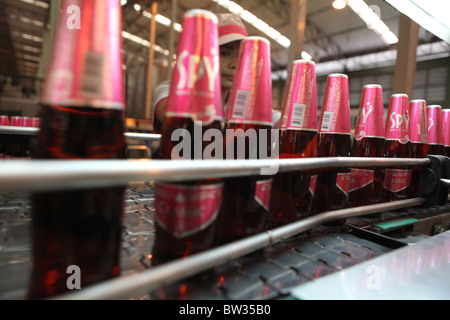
397	179
360	178
313	184
185	210
343	182
263	192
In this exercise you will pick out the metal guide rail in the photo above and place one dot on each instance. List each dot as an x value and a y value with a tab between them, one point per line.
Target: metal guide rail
13	130
265	266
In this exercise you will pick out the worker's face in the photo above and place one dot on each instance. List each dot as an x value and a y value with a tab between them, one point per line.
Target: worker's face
228	62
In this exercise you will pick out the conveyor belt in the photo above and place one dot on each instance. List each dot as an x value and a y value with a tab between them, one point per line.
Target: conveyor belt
270	273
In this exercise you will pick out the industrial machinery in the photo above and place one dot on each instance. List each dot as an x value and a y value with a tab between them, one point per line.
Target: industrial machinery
391	250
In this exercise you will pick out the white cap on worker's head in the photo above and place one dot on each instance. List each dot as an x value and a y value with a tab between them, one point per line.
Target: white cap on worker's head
231	28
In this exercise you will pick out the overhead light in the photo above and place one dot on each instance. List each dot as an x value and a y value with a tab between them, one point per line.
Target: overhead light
143	42
339	4
305	55
163	20
258	23
432	15
37	3
373	21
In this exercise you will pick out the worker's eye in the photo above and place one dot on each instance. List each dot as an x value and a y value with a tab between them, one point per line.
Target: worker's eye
225	53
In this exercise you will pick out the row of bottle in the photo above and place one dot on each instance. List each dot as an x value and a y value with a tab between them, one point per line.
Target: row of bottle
82	117
16	146
196	215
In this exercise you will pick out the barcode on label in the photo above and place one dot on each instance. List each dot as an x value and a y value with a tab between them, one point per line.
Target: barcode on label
298	115
326	121
240	103
92	78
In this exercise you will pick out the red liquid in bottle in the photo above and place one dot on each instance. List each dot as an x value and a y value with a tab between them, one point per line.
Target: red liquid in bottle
82	117
334	141
397	179
366	185
372	191
79	227
332	183
418	150
293	192
173	240
4	138
246	200
186	212
398	145
418	128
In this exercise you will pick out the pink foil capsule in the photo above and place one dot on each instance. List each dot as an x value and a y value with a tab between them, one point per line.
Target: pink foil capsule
335	116
300	103
446	123
397	121
418	124
195	88
87	73
4	121
370	119
17	121
35	122
435	126
27	122
251	95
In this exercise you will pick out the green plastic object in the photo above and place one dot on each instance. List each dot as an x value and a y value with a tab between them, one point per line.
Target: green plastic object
396	223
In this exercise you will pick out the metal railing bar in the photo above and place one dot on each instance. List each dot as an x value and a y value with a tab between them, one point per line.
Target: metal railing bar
129	286
33	131
44	175
445	182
